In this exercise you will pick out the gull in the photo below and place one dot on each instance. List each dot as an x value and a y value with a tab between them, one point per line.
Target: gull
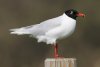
51	30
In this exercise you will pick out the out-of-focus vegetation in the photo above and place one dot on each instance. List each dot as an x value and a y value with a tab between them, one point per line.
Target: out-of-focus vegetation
22	51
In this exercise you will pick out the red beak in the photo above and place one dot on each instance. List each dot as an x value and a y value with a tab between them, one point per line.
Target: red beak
81	15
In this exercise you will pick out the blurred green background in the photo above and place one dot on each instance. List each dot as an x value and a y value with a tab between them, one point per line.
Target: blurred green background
22	51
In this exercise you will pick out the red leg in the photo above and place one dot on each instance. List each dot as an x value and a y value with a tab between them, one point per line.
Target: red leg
56	50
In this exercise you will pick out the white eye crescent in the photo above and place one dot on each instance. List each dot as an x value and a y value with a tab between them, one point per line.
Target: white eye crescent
71	12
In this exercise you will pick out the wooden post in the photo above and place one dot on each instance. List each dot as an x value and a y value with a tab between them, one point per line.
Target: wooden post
60	62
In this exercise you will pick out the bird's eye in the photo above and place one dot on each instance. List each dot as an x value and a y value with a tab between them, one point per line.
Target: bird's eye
71	12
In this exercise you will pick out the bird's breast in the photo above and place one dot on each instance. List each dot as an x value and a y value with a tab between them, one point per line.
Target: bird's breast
67	28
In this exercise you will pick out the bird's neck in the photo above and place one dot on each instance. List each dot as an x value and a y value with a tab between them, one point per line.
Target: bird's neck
67	18
67	22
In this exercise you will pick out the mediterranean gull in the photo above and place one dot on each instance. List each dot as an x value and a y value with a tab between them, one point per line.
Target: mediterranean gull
51	30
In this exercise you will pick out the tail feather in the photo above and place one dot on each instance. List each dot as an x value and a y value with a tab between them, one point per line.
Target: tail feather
19	31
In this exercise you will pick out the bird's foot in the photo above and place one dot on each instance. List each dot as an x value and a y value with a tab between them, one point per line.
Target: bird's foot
57	56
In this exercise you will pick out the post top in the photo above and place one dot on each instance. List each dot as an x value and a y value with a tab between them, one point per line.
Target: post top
59	59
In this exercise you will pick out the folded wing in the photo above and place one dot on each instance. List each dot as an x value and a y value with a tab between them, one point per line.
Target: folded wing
38	29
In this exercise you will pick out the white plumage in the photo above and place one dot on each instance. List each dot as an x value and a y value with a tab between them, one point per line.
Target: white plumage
50	30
